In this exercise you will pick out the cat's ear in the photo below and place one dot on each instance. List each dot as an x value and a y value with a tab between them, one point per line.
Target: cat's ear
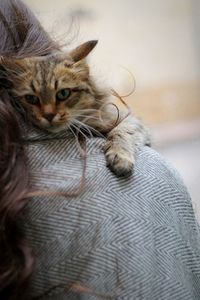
83	50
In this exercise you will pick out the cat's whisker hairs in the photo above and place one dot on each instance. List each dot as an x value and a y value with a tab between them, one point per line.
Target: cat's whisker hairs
90	110
78	130
86	114
81	150
72	131
94	113
85	118
86	126
82	127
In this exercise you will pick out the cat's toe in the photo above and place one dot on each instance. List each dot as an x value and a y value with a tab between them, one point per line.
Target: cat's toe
121	165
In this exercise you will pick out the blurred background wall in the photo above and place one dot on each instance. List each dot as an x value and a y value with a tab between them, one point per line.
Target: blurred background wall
157	42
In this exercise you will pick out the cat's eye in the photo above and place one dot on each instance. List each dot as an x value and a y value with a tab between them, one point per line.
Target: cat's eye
32	99
63	94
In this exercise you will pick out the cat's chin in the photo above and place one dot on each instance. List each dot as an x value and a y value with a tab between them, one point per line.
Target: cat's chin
51	129
56	129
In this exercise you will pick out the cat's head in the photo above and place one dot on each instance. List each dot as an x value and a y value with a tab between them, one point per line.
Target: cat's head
54	90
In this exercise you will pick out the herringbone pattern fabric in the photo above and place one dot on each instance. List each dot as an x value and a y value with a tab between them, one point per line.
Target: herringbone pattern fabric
133	238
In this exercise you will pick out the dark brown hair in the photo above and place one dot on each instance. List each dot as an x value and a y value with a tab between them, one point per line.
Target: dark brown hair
21	36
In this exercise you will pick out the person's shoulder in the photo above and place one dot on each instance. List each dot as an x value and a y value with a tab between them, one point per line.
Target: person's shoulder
151	172
152	164
149	164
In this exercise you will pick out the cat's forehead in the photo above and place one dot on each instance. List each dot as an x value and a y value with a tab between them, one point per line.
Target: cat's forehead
47	71
47	74
47	64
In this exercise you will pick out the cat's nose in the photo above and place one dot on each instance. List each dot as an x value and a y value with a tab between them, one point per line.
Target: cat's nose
49	116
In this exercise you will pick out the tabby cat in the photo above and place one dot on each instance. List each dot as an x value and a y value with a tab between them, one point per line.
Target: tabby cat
57	93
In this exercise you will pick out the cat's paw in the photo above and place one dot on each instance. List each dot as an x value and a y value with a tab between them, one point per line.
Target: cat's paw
120	161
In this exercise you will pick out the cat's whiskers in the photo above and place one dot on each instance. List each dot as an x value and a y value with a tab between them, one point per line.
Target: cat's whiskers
89	128
78	129
85	117
84	127
72	131
89	110
88	113
83	153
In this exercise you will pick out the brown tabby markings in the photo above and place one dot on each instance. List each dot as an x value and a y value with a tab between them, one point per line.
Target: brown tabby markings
84	107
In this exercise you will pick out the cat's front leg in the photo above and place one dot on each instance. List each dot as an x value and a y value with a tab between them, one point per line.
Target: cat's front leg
121	144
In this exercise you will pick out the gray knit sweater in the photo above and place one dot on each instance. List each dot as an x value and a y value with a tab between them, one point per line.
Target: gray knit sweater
121	238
